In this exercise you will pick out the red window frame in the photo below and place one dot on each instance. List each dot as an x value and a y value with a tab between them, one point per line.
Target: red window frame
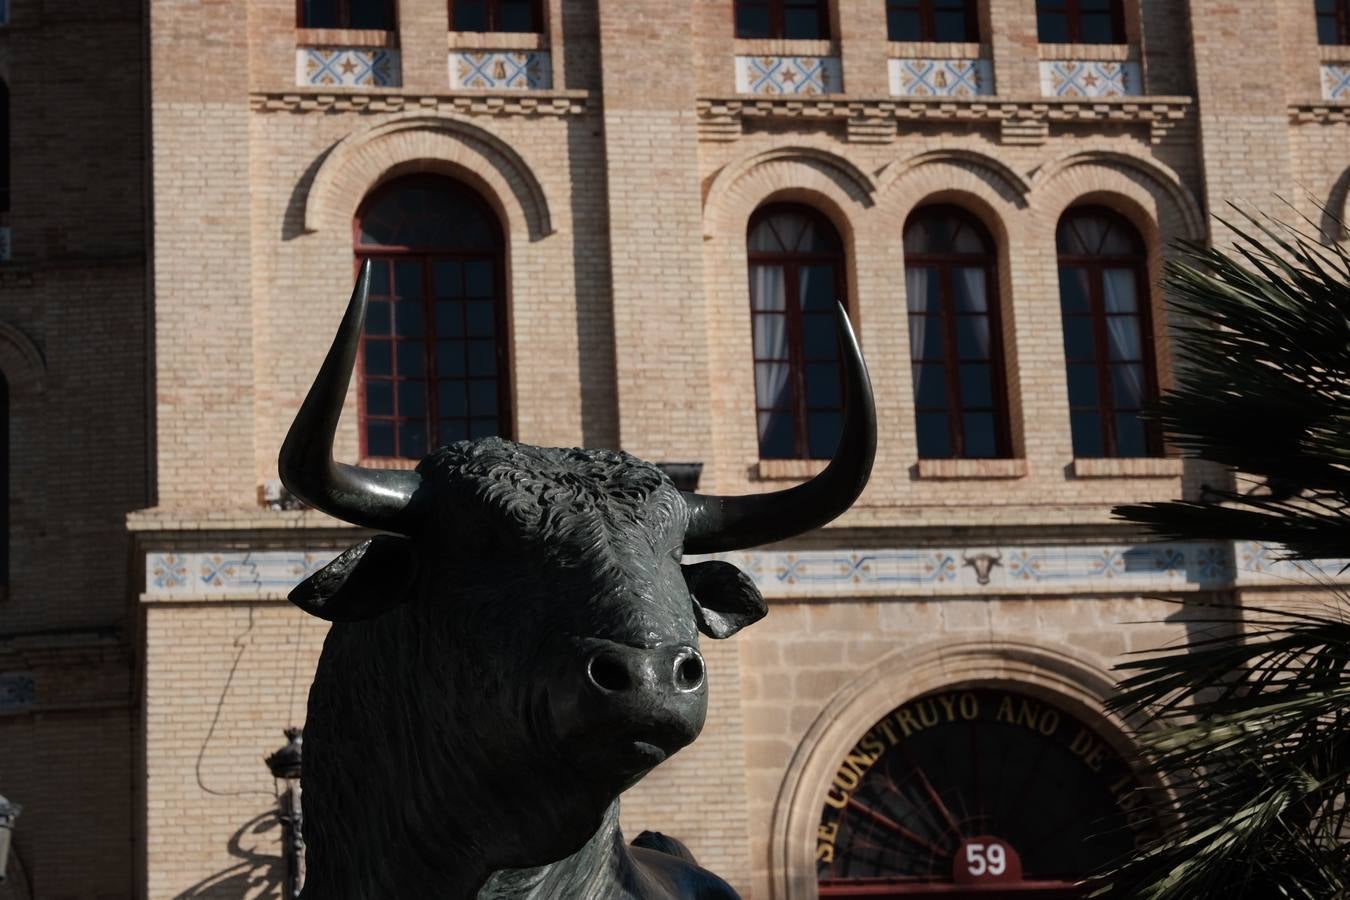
492	15
928	19
1072	12
792	262
943	266
1096	266
1333	25
777	18
344	15
427	257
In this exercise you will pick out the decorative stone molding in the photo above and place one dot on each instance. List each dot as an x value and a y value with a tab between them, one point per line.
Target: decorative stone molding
1016	186
1320	113
1336	81
972	468
789	75
1142	467
940	77
347	67
1019	121
1090	79
1161	180
501	70
470	103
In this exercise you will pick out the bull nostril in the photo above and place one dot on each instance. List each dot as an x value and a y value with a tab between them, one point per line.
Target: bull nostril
608	673
689	671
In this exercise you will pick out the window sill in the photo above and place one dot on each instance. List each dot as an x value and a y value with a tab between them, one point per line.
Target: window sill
935	50
496	40
388	462
1333	53
1089	52
345	37
1133	467
784	47
790	469
972	468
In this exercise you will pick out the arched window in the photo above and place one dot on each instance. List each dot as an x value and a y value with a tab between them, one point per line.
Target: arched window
792	19
1080	21
796	263
932	20
955	338
1333	21
1108	336
375	15
433	356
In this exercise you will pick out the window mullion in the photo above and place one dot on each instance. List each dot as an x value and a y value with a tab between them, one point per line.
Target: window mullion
1104	400
796	358
947	304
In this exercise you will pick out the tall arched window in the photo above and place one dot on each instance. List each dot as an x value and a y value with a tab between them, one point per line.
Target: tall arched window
433	356
796	263
955	338
1108	335
1080	21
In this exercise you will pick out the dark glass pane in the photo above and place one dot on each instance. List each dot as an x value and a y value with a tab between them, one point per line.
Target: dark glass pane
1097	28
410	319
822	385
483	397
818	334
770	336
802	24
470	15
379	398
968	284
925	338
825	429
952	26
977	386
478	278
793	230
412	439
449	319
1119	293
379	278
1122	337
979	436
1087	435
379	439
427	212
763	238
1083	385
1324	6
752	20
1327	33
377	318
319	14
1130	436
1052	28
378	360
1127	386
449	358
904	25
412	398
408	280
450	399
481	319
972	337
930	386
935	441
482	358
771	385
1078	342
1074	293
516	15
453	430
447	278
923	289
481	428
775	435
371	14
412	359
816	285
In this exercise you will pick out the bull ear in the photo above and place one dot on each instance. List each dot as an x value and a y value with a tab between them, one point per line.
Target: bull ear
725	598
366	580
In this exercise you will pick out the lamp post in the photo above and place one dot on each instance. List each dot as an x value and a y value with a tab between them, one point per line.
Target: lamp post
8	813
285	767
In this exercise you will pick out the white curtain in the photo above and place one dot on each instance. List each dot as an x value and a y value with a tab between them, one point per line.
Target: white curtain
970	286
1122	331
770	336
916	290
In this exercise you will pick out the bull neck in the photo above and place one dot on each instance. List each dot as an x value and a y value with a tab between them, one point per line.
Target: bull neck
602	869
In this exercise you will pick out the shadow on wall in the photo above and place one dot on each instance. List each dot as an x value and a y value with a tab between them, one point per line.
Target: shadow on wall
260	871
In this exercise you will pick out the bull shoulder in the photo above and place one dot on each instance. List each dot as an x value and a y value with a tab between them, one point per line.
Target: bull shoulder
679	879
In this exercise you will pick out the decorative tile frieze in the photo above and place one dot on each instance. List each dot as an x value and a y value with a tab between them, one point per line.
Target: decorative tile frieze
347	67
506	103
18	691
789	75
501	70
230	573
941	77
1336	81
1090	79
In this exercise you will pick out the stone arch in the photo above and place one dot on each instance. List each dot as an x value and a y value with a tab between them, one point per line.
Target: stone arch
743	185
1061	674
21	361
1153	186
935	168
360	161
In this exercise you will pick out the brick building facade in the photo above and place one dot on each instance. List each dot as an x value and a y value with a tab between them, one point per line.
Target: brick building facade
186	177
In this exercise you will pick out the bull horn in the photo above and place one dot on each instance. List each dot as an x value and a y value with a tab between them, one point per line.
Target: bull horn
373	498
730	523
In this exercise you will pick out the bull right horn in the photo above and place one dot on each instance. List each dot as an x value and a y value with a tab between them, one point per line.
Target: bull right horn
373	498
731	523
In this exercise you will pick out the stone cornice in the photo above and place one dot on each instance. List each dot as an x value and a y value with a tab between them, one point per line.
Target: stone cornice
482	103
876	120
1319	113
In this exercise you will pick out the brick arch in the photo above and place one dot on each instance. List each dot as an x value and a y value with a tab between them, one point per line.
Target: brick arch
934	170
785	173
1063	675
1145	185
417	141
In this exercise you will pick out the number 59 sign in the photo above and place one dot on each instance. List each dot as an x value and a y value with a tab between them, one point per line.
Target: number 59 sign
986	860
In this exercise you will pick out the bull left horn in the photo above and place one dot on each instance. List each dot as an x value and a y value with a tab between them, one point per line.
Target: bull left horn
373	498
731	523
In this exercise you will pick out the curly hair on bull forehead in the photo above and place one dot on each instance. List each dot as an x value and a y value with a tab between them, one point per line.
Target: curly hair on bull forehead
581	500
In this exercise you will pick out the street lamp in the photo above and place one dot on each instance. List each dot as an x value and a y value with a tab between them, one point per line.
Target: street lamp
8	813
285	767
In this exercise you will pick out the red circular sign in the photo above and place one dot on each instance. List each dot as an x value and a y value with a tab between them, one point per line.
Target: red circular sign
986	860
